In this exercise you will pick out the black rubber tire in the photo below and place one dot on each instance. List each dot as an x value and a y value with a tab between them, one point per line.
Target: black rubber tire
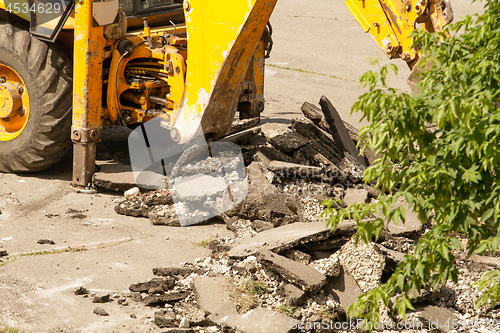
46	71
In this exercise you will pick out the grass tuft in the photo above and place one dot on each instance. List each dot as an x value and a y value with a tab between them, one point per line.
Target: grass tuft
204	242
245	293
42	252
287	309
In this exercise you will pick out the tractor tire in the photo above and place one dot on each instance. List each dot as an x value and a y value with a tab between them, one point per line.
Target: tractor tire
37	134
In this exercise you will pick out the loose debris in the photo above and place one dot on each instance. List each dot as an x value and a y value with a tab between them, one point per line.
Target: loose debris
81	291
282	266
101	312
45	241
101	299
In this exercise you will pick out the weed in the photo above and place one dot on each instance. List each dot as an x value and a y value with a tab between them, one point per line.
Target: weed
42	252
39	253
287	309
204	242
245	293
8	329
330	314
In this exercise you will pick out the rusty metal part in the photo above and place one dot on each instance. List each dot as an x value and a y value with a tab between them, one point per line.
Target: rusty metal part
157	100
87	110
87	135
420	8
268	40
10	100
441	14
83	164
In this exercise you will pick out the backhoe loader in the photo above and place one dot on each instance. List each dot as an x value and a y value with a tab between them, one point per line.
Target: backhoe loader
68	68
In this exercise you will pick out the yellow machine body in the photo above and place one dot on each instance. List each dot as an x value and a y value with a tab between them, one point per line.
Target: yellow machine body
391	22
195	74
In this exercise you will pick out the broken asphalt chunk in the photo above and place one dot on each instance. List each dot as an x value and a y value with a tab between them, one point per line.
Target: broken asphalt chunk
166	284
81	291
308	278
309	130
293	170
436	318
339	131
287	236
294	296
45	241
101	299
289	141
213	295
164	298
171	271
100	312
344	288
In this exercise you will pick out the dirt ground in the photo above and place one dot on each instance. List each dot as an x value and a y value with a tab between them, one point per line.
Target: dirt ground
319	49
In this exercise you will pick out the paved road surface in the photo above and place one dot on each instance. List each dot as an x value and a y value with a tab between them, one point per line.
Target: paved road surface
319	49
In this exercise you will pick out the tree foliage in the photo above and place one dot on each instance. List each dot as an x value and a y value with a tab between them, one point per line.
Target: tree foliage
438	149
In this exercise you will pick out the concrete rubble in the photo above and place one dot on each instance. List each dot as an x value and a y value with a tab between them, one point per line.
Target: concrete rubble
282	265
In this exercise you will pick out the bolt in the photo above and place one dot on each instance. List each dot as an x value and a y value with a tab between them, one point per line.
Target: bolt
187	6
175	134
375	24
3	79
407	6
168	67
178	70
76	135
94	134
419	8
259	106
20	90
389	47
21	112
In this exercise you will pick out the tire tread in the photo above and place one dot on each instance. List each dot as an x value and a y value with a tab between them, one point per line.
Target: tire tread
51	136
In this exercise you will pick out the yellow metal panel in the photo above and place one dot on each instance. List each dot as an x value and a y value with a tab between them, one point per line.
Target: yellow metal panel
372	19
222	37
88	57
402	16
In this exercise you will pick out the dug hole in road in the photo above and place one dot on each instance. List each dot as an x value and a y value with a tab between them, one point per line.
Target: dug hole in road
319	49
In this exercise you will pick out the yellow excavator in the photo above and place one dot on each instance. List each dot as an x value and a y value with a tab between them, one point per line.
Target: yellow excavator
68	68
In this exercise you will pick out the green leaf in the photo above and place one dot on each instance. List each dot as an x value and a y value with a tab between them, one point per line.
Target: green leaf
436	147
456	243
487	214
401	281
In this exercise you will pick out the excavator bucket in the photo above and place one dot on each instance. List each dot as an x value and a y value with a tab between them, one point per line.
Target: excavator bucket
222	37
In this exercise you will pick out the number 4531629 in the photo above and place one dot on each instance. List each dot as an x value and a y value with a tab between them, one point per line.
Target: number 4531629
40	8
